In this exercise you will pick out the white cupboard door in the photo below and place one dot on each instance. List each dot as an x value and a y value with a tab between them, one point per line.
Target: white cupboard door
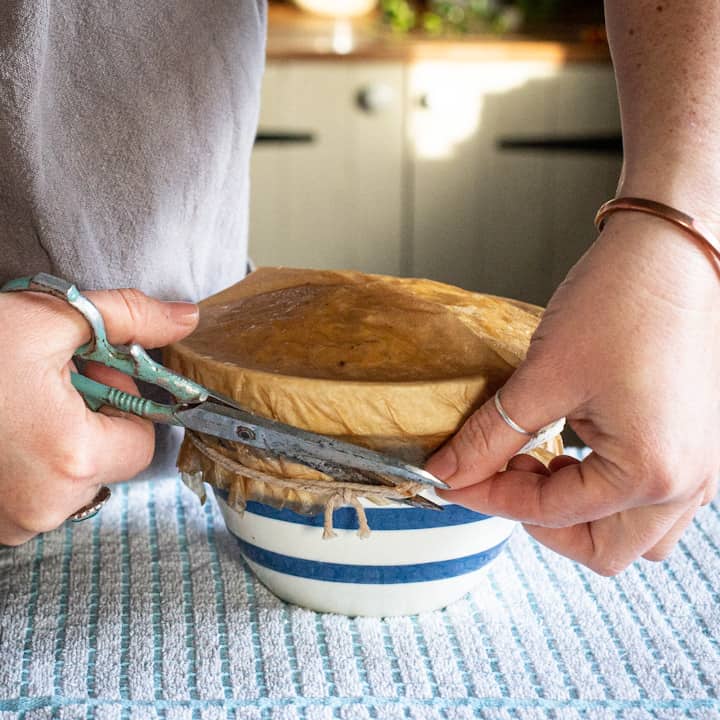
586	107
336	202
493	219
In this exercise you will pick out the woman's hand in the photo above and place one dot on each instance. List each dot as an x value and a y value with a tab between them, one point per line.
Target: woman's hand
629	351
54	451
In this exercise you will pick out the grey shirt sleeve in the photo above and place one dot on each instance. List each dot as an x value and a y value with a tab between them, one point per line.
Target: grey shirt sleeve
125	137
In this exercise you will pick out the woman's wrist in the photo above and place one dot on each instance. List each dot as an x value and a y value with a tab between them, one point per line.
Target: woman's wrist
661	255
691	187
692	226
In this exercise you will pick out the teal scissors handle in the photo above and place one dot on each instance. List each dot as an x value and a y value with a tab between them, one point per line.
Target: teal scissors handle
131	360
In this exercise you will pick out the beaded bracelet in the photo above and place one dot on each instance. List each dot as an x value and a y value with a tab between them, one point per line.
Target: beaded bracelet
696	228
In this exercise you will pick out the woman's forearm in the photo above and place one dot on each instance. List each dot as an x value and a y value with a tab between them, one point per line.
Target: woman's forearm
667	63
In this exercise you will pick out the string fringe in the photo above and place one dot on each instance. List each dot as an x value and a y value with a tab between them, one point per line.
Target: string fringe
341	493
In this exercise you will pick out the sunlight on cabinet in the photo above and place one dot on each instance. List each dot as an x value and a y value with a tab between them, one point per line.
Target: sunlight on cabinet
448	98
504	221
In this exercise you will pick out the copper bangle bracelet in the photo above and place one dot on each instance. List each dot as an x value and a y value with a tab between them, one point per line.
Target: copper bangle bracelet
694	227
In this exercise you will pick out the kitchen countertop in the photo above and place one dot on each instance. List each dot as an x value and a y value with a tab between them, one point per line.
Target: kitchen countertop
148	611
294	35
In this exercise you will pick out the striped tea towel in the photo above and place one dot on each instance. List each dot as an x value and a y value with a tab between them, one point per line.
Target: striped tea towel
147	611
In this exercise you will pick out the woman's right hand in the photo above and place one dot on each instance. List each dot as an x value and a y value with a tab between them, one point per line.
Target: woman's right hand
55	452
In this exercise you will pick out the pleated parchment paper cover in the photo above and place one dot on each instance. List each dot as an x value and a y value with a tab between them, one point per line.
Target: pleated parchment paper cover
392	364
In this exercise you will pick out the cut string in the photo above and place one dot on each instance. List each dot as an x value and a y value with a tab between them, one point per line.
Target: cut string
342	493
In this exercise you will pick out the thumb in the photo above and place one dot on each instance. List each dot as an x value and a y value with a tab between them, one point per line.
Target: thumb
486	442
130	316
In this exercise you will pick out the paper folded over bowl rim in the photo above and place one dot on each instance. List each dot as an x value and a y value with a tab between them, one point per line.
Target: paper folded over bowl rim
401	396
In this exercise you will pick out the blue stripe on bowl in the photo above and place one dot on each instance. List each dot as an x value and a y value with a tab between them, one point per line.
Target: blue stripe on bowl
345	518
368	574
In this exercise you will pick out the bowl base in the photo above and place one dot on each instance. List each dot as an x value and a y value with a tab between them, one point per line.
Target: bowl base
368	600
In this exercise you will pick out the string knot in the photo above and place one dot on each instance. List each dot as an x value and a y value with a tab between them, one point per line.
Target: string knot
336	493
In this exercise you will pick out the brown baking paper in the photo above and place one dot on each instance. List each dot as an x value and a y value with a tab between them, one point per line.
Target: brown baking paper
392	364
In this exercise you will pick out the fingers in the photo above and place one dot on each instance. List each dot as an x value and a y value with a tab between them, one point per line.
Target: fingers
711	489
132	317
113	378
102	449
561	461
527	463
119	445
485	442
663	548
575	493
55	451
124	448
124	443
609	545
27	512
129	316
12	536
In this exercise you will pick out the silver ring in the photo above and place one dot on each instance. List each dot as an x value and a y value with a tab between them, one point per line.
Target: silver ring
537	438
507	419
93	507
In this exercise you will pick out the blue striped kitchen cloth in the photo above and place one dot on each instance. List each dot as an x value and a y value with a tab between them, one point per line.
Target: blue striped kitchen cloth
147	612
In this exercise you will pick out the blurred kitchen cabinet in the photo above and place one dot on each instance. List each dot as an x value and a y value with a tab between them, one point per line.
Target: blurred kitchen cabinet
327	170
581	181
510	160
482	174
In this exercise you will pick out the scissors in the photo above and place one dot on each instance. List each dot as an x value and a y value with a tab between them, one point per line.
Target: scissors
202	410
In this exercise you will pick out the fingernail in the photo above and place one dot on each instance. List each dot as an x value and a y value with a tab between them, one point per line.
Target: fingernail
443	463
184	313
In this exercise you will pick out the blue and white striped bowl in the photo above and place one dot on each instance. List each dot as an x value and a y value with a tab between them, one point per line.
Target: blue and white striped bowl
414	560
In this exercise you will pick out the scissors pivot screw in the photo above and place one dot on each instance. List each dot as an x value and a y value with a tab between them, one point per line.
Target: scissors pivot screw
245	433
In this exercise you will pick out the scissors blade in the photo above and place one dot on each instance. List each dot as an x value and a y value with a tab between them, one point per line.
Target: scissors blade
319	452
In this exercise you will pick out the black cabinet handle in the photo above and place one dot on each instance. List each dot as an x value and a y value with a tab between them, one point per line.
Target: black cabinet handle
594	144
272	137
